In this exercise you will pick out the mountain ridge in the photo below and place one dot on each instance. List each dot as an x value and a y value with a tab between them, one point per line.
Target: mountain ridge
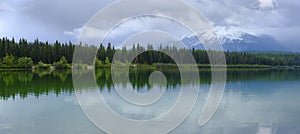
236	41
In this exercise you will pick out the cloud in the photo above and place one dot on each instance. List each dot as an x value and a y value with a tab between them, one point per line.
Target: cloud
130	27
268	14
142	22
286	36
48	20
146	24
232	20
265	4
74	33
63	20
5	8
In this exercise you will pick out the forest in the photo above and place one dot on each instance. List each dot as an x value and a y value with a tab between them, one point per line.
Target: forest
23	53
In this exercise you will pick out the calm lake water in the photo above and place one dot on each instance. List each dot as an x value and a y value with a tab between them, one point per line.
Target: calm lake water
254	102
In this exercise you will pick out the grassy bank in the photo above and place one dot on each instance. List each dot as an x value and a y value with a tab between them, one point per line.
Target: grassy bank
43	66
201	66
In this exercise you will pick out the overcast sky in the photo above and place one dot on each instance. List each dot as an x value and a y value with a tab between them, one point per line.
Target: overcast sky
63	19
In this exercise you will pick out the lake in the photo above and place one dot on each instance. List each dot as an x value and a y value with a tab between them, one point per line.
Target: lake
255	101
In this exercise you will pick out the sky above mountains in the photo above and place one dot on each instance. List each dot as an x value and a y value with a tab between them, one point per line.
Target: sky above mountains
63	20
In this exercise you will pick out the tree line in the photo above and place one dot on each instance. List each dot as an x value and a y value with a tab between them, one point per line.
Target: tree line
23	52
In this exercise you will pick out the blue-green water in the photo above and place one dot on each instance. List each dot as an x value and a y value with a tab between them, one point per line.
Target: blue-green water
254	102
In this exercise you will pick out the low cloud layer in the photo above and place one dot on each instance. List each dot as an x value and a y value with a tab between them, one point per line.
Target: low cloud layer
63	20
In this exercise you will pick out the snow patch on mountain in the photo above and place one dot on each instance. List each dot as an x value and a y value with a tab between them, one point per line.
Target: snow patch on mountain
235	39
231	34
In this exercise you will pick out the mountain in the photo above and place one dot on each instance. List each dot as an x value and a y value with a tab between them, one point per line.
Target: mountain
237	41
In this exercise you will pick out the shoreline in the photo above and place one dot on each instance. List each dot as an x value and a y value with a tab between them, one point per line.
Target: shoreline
157	66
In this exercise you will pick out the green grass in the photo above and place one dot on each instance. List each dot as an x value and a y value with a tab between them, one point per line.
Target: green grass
145	66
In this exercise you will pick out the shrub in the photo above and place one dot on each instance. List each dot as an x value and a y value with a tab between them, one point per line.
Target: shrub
62	64
80	66
107	61
25	62
98	63
42	65
8	60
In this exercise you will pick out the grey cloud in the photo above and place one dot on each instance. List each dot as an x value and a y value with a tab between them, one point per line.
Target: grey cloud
264	5
44	18
5	8
282	17
130	8
220	11
59	19
65	14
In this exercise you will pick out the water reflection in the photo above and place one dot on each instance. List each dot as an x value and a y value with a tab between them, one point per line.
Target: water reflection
24	83
255	102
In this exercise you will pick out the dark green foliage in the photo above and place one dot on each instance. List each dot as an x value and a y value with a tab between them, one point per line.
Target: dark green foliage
99	64
109	52
101	55
25	62
42	65
62	64
107	61
47	53
8	60
37	50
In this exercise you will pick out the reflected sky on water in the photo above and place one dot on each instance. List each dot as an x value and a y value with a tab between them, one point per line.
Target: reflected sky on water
254	102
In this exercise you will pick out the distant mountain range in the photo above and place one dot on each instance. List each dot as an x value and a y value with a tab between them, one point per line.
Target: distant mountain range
238	41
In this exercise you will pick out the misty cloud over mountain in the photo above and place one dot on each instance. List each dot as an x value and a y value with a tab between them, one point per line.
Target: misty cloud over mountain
272	22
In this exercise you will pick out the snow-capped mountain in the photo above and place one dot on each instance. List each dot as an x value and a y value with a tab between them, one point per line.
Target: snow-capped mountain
236	40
